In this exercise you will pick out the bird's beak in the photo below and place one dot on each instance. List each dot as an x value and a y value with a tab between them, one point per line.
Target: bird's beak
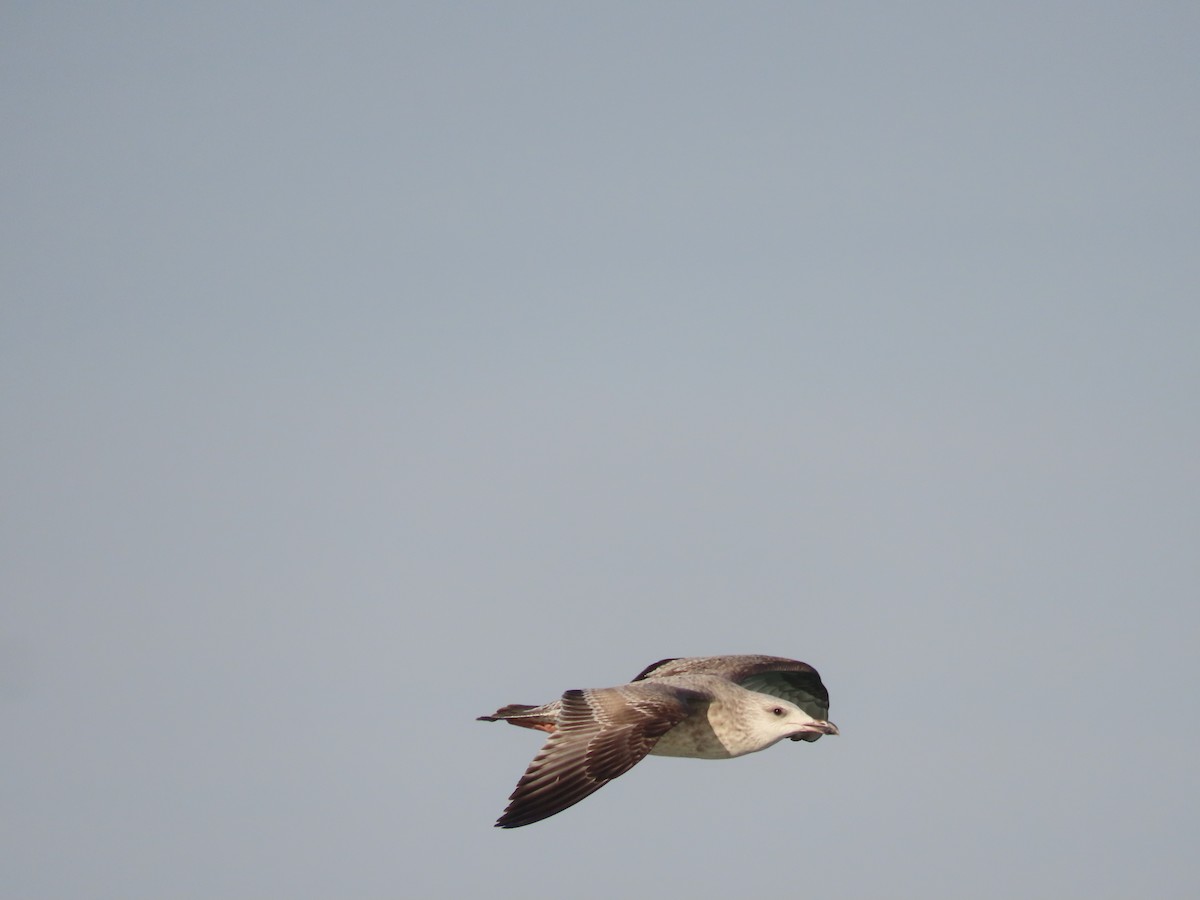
813	730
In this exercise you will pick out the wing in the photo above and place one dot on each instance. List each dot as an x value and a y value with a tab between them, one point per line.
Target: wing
602	733
789	679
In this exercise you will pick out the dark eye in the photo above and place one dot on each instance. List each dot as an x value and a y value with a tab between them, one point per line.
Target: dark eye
778	711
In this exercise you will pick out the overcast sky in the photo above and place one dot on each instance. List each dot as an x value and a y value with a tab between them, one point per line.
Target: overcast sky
364	367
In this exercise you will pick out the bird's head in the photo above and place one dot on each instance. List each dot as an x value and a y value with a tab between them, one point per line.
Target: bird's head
787	720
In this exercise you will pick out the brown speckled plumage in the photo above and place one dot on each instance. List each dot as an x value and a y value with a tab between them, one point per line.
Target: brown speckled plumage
710	707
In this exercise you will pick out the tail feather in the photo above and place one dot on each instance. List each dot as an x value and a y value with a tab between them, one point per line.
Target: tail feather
507	712
543	718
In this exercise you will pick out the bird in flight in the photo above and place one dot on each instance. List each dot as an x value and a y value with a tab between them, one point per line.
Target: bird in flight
705	707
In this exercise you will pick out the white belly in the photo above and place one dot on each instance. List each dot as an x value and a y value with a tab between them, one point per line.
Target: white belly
693	737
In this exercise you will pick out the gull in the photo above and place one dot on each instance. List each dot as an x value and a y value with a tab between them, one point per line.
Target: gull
704	707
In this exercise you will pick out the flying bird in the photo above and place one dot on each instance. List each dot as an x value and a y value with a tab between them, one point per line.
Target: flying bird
704	707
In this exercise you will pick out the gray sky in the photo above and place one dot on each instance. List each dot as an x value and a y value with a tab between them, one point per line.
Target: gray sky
367	366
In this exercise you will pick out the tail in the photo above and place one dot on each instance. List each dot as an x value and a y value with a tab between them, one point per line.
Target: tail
543	718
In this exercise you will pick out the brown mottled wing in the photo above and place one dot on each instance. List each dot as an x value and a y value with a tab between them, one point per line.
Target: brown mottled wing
602	733
663	664
790	679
